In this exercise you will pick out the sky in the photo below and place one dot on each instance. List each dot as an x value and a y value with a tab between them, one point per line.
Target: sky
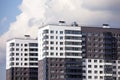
20	17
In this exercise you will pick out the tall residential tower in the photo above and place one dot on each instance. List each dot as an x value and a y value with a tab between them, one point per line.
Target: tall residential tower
78	53
22	59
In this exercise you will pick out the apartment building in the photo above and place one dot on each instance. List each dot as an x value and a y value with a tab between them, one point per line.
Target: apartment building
22	59
72	52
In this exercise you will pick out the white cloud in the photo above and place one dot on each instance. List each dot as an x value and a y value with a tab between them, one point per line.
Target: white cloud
36	12
3	20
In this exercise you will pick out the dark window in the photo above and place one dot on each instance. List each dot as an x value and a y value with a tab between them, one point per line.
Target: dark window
33	44
25	49
89	71
33	59
73	48
17	49
17	44
61	37
33	49
33	54
51	31
89	66
51	53
72	32
61	48
51	42
61	43
52	48
12	44
73	37
17	54
61	54
17	59
61	32
25	45
35	64
51	37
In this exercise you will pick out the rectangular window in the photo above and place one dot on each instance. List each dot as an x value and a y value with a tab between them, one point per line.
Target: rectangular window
51	31
61	43
73	37
72	32
61	37
61	32
33	49
73	48
33	44
51	53
51	37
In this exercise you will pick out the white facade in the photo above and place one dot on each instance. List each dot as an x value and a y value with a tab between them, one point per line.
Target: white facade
21	53
52	42
94	69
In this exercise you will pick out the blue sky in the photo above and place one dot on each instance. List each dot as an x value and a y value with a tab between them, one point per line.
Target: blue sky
8	11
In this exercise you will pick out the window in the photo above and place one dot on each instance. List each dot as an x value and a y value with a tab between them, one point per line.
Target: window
51	37
51	31
25	49
17	59
95	71
56	48
12	44
73	37
61	37
25	63
17	44
17	54
89	66
21	44
95	61
33	44
17	49
61	43
61	48
25	59
12	63
101	72
89	71
33	49
89	60
100	61
89	77
25	45
72	32
96	77
56	42
95	66
12	54
101	66
56	37
73	48
17	63
51	42
61	32
25	54
51	53
101	77
52	48
61	54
